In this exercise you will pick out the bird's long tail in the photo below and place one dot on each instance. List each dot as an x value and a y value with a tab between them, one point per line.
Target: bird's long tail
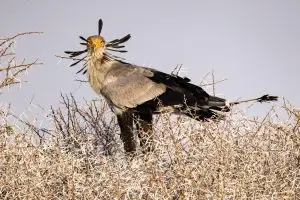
262	99
217	106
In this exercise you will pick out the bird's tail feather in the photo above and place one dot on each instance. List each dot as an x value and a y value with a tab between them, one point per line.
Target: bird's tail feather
262	99
220	104
214	101
217	106
214	109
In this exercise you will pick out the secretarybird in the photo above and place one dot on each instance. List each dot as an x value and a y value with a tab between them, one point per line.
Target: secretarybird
135	92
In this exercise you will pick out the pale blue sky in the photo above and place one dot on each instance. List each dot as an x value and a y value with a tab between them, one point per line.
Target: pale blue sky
254	44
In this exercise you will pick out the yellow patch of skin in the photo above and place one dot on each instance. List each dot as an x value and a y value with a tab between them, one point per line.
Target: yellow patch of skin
96	42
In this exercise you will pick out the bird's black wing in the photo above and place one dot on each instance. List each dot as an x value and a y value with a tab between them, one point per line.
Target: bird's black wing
184	97
179	90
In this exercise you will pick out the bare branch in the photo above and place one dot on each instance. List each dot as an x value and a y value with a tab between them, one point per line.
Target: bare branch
18	35
11	69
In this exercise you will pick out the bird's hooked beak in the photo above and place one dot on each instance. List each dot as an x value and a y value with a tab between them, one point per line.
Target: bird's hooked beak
95	42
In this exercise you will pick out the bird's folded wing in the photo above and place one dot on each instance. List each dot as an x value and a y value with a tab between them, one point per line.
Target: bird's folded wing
131	87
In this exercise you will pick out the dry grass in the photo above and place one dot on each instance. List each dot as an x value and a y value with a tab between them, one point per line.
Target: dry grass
80	155
82	158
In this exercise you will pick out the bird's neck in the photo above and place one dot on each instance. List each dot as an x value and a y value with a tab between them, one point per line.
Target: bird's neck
97	71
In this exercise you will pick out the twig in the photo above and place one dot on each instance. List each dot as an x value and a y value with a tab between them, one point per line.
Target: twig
19	34
216	82
81	81
21	65
68	58
213	82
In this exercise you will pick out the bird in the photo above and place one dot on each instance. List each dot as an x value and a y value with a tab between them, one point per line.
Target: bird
136	93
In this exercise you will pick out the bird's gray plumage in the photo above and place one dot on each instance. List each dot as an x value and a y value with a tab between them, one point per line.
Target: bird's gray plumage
135	93
126	86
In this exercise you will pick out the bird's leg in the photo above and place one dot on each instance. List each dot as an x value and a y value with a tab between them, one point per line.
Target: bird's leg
145	131
125	121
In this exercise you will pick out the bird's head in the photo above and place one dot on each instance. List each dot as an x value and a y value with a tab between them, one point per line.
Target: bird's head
95	43
97	48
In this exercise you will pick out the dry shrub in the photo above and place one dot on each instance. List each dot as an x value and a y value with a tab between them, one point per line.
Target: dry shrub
82	157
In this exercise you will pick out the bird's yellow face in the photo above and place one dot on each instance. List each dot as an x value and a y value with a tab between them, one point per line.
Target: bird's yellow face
95	43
